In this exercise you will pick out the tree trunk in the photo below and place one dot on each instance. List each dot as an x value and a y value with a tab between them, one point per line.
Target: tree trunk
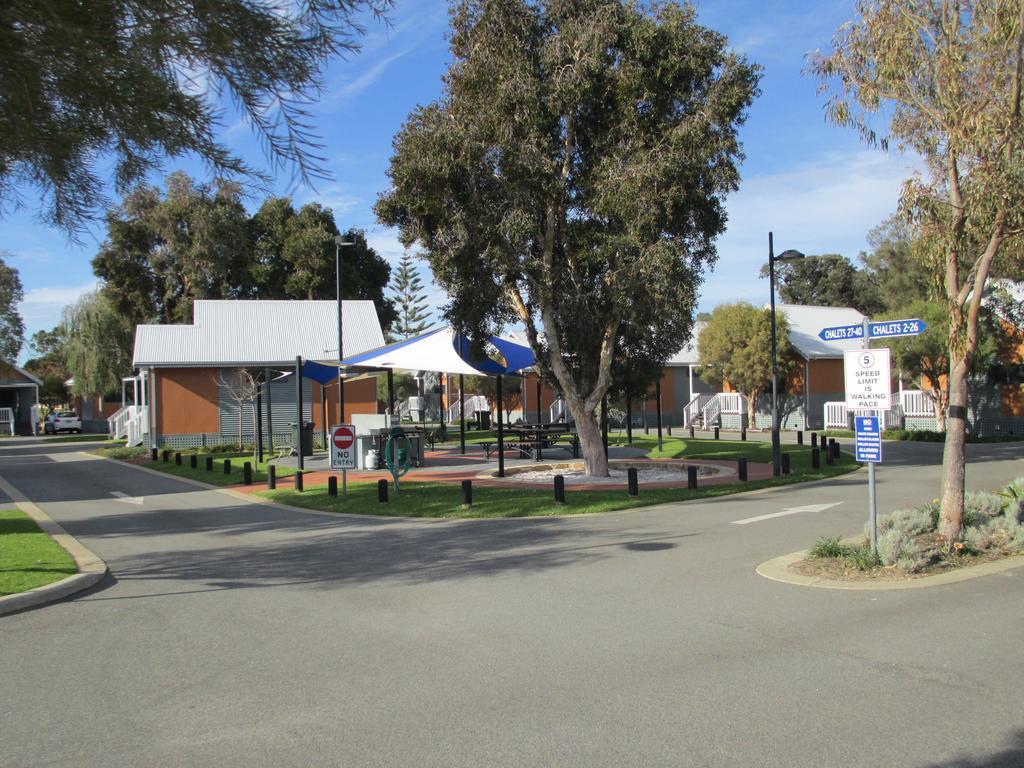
591	444
951	514
752	409
939	397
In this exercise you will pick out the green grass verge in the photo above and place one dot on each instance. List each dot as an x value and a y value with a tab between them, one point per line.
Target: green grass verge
418	499
217	476
28	557
84	439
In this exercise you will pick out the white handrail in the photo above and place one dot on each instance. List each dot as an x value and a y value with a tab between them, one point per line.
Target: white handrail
7	420
117	420
556	413
692	410
915	402
836	416
473	403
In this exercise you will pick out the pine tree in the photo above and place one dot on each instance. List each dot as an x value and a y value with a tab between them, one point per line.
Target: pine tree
410	300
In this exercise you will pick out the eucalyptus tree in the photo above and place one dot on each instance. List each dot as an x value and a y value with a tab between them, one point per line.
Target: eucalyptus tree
12	327
572	174
946	78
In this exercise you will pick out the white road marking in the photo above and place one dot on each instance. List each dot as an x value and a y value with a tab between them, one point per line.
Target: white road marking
788	511
137	500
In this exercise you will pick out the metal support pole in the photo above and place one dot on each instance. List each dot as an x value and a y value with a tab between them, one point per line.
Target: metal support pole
501	428
872	510
629	420
391	393
341	325
270	412
657	395
776	443
259	425
298	409
323	413
462	415
540	417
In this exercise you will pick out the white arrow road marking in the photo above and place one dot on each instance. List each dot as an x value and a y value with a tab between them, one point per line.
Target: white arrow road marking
788	511
126	498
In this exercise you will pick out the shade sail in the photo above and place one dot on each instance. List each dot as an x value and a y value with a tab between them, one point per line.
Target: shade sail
444	351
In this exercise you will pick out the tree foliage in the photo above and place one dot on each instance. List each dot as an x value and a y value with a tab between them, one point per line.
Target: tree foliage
12	328
139	81
735	346
410	301
49	365
571	175
195	241
98	346
947	75
829	280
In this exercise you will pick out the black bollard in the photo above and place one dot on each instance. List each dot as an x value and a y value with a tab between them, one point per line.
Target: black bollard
828	455
247	473
382	491
716	433
299	482
227	466
742	469
209	463
815	457
559	489
670	430
799	437
785	463
154	455
177	458
691	432
691	478
633	481
272	477
814	439
166	456
833	446
743	433
467	493
332	485
193	461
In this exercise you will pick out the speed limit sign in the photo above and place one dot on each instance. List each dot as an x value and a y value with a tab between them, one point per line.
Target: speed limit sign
343	446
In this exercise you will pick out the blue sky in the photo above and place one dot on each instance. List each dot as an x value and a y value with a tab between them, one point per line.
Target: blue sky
815	185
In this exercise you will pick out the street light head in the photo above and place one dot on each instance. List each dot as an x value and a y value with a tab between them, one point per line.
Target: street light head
345	239
789	255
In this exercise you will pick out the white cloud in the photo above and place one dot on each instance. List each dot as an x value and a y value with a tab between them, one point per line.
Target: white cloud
41	308
342	92
335	197
823	207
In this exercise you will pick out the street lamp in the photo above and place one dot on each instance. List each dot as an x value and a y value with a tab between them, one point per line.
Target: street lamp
339	241
790	255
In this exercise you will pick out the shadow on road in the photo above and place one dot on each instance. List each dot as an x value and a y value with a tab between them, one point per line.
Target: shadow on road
1010	757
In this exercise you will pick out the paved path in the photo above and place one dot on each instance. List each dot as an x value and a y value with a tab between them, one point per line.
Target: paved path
233	634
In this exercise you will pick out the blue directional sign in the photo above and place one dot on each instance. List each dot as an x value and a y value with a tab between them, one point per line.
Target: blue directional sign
842	332
868	438
889	328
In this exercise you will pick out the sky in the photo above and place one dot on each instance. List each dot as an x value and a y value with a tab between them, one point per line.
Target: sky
815	185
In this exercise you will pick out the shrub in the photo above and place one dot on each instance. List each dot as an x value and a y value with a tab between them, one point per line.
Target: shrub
897	544
829	547
122	452
912	522
860	557
980	507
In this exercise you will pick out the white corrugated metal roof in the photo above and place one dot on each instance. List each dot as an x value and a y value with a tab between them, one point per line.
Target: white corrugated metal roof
230	333
805	323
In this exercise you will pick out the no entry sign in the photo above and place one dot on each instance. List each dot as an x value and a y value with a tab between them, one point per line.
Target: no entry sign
343	446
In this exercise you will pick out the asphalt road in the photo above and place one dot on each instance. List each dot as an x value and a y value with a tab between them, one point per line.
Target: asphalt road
233	634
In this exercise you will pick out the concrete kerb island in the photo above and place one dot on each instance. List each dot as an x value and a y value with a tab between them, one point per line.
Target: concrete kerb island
708	471
778	569
91	567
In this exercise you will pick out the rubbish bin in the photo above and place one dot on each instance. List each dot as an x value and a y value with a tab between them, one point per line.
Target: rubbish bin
483	419
306	439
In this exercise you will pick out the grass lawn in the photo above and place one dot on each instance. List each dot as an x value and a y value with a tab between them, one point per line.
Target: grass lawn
28	557
434	500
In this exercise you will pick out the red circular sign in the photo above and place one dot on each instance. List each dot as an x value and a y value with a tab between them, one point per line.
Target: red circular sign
343	438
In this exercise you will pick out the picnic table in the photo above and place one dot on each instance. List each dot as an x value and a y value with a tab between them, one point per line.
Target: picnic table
531	440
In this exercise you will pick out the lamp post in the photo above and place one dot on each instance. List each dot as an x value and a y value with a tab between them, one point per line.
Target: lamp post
789	255
339	241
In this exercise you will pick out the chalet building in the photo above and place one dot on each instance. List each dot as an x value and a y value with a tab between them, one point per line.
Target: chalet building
186	392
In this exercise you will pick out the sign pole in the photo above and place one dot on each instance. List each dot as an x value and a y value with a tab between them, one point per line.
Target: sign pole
344	482
872	510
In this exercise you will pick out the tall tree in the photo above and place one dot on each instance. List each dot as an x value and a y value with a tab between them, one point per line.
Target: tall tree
410	300
98	349
572	171
829	280
50	365
735	346
12	328
947	75
140	81
899	275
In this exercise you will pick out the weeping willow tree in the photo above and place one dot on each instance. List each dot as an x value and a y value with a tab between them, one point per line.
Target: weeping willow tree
98	348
